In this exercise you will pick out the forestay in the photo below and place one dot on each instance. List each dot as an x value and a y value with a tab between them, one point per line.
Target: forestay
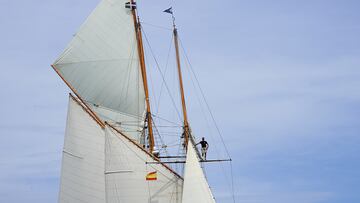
82	172
101	64
196	189
126	171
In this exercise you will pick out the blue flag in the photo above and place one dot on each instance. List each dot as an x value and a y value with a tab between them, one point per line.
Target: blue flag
169	10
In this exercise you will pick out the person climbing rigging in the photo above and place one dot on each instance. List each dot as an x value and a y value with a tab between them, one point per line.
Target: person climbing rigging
204	148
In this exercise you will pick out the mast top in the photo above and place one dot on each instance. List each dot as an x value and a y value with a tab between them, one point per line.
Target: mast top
186	133
170	11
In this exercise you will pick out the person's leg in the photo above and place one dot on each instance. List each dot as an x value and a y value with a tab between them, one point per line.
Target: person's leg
203	153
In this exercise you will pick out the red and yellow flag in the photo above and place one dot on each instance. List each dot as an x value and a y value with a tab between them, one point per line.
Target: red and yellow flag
151	176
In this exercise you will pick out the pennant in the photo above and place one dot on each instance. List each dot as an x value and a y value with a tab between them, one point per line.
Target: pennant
151	176
169	10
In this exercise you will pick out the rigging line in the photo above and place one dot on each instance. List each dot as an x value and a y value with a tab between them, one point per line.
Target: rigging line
166	68
173	132
148	184
207	123
203	112
173	144
107	144
129	65
157	26
213	119
202	109
150	77
204	98
232	182
217	153
168	126
127	143
162	75
179	125
161	139
171	135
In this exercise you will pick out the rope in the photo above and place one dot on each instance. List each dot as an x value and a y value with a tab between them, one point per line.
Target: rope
176	124
232	182
150	78
161	73
161	139
204	98
213	120
166	68
157	26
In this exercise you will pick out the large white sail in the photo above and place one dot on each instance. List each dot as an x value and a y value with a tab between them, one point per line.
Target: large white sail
126	174
101	64
101	164
196	188
82	172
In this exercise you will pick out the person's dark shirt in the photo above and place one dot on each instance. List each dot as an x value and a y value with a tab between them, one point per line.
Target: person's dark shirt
203	143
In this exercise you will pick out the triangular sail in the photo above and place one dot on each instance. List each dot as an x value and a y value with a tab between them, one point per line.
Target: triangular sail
101	64
126	172
82	172
196	189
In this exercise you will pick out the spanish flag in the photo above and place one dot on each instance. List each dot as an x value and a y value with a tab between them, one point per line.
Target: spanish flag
151	176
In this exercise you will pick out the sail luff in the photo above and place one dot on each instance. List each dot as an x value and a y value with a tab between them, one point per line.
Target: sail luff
82	172
88	109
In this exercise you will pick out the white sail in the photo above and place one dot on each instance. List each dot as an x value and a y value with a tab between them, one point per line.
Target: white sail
126	173
101	64
196	189
82	172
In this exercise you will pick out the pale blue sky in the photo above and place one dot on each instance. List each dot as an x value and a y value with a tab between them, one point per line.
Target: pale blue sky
282	78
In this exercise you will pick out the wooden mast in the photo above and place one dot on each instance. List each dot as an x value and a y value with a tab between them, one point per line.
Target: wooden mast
137	26
186	123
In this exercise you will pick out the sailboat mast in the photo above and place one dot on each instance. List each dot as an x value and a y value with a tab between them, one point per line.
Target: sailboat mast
138	33
183	103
